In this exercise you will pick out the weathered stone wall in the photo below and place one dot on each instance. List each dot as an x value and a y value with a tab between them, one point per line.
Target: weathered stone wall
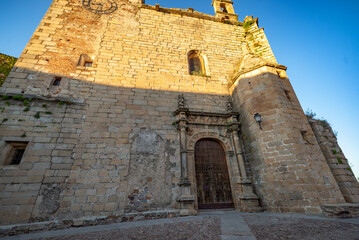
33	189
140	66
289	170
336	159
115	149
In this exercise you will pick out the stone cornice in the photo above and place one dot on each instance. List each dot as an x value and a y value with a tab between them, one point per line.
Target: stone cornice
208	114
186	12
238	74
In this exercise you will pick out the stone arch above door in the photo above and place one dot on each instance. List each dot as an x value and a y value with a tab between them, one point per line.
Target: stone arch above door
223	140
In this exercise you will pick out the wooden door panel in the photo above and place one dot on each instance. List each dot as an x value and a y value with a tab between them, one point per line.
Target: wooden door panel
213	185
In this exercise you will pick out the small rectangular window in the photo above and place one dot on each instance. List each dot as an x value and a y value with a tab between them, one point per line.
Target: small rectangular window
56	82
14	152
88	64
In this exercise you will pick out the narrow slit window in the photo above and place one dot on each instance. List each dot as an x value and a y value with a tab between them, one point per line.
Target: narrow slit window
57	81
287	95
18	154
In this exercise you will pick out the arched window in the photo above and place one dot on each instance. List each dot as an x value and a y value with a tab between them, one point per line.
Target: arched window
195	63
85	61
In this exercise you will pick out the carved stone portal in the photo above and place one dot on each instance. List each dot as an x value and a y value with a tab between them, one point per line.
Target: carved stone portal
222	127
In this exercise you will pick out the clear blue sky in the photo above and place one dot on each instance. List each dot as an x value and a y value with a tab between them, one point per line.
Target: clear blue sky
318	40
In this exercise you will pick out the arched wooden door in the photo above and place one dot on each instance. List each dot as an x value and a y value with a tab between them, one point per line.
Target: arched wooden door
213	186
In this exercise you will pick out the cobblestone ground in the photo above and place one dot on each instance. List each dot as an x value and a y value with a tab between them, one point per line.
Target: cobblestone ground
276	227
214	225
184	230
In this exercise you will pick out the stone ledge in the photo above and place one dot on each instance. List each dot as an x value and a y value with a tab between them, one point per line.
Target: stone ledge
341	210
67	100
17	229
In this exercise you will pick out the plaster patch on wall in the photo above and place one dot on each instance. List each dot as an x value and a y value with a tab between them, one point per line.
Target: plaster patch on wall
50	203
149	178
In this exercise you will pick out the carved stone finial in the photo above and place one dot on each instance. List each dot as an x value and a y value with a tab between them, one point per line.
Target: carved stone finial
229	106
181	101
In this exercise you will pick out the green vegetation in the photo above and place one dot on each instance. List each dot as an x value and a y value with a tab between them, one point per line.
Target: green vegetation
59	105
37	115
23	135
4	97
6	64
334	151
48	113
340	161
312	115
248	24
18	98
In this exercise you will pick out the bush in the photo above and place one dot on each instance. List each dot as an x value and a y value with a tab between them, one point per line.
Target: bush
6	64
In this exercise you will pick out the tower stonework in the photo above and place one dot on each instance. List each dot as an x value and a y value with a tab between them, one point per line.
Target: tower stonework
118	109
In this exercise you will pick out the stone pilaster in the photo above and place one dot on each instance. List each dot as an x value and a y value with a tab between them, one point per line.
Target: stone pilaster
186	199
248	200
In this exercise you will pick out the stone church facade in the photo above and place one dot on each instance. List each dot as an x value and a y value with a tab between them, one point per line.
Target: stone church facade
117	108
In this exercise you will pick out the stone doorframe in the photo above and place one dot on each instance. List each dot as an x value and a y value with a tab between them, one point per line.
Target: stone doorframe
222	127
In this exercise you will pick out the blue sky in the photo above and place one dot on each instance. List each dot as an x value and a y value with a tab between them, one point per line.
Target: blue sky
317	40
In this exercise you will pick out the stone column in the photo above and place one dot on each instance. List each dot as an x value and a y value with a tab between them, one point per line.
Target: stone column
239	153
182	125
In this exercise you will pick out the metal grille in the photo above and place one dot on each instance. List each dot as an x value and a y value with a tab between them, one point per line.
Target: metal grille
213	186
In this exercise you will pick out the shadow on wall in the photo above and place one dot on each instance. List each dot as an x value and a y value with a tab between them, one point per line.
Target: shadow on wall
100	150
92	149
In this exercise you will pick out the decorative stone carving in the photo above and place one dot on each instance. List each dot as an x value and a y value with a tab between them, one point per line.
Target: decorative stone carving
204	119
181	101
100	6
229	106
189	131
